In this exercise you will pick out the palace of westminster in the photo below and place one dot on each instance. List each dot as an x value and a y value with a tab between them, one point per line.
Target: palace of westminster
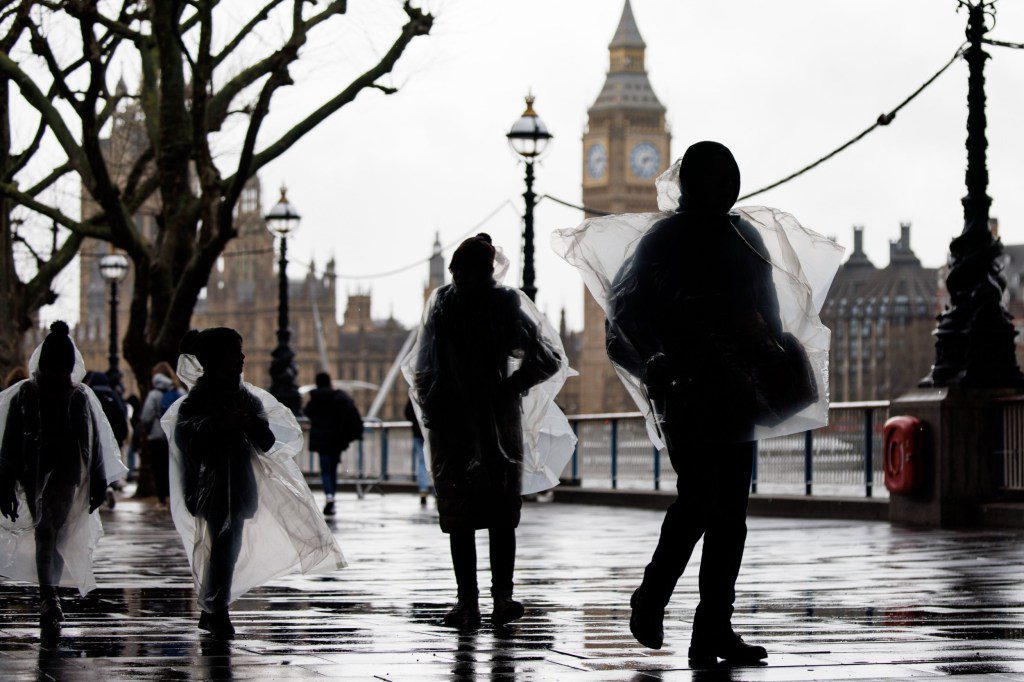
881	317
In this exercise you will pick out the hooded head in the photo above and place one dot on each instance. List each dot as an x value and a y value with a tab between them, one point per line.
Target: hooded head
323	380
96	379
218	349
57	356
473	263
709	179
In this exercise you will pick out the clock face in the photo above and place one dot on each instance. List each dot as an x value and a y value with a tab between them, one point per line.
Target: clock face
597	161
645	160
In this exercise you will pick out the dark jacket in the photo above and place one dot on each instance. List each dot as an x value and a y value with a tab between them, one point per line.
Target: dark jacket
410	415
113	405
471	402
51	437
219	431
334	421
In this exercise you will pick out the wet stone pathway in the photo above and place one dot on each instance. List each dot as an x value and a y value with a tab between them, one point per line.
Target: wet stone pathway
830	600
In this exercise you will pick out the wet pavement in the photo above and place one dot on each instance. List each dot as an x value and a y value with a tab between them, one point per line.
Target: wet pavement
830	600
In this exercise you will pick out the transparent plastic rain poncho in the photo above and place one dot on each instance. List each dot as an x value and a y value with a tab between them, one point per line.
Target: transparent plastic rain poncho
548	440
81	530
285	534
802	266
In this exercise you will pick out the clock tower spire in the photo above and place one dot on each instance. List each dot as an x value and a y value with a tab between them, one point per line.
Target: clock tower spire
626	145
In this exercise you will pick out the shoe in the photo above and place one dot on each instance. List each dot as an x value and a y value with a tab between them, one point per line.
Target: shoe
647	622
730	647
217	624
423	499
465	615
506	610
329	508
111	500
51	615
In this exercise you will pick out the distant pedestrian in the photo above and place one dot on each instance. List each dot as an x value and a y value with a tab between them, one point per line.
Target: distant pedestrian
116	413
240	503
419	460
17	374
57	456
483	352
334	424
164	393
713	327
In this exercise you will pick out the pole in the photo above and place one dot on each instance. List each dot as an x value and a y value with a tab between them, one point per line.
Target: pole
114	370
282	367
528	272
974	340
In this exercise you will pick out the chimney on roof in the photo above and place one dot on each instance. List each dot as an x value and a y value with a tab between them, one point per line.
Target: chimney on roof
899	250
858	240
905	236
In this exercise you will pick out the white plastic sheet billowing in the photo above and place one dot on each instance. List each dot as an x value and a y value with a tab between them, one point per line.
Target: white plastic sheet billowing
803	264
82	531
287	534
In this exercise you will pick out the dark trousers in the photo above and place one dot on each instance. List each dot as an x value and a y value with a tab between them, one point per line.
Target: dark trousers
714	482
50	514
329	472
225	545
503	561
157	450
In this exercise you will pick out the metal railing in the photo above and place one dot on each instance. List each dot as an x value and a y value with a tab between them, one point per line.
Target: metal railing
614	451
1009	446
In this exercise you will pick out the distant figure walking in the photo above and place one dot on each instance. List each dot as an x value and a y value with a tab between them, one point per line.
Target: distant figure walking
57	456
419	460
480	351
334	424
239	501
116	413
695	329
163	394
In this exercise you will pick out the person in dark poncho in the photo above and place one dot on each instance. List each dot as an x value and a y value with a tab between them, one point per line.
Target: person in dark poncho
219	421
334	423
52	462
689	316
470	403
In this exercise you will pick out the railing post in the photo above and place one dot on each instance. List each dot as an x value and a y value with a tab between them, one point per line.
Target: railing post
808	461
383	453
753	471
869	451
615	453
576	454
657	469
359	459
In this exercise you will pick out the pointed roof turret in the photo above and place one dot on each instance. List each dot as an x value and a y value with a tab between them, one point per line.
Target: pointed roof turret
627	34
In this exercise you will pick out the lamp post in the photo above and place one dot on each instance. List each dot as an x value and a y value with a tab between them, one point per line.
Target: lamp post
974	340
114	268
282	220
529	138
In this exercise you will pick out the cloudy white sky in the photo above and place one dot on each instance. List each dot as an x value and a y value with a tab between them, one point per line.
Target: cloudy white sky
779	82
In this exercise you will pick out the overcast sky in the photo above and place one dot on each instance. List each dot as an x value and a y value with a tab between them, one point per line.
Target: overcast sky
780	83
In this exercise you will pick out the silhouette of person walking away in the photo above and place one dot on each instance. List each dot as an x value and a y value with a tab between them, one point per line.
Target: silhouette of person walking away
479	353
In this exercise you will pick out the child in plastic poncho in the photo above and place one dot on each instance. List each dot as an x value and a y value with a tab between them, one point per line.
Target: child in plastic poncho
238	500
57	456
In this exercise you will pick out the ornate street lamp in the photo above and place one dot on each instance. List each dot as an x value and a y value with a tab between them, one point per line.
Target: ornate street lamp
282	220
529	138
974	341
114	268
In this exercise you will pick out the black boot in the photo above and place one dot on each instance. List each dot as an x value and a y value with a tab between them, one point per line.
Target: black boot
465	615
217	624
329	508
647	622
506	609
706	649
51	615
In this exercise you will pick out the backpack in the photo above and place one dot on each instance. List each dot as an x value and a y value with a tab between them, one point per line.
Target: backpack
351	426
168	398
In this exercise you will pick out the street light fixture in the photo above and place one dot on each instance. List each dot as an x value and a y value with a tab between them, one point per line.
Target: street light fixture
529	138
282	220
114	268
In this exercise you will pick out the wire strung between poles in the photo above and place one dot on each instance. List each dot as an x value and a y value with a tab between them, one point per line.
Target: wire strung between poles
1003	43
585	209
883	120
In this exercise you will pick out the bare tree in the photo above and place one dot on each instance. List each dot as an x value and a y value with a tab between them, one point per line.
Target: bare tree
185	97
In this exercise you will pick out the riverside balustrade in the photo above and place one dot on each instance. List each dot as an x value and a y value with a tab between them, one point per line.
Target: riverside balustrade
614	451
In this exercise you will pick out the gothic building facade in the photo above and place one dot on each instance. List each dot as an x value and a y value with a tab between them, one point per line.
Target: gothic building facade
626	145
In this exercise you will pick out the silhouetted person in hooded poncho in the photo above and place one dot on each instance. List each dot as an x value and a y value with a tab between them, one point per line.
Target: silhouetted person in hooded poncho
51	447
688	316
470	400
219	424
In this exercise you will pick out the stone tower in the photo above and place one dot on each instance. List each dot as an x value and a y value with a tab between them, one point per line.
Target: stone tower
436	276
625	147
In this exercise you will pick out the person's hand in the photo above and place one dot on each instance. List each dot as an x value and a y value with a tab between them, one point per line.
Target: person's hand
9	503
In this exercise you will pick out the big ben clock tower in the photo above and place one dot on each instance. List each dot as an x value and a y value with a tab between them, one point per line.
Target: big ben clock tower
625	146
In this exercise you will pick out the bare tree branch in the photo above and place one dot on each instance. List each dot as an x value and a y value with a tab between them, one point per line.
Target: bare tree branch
87	228
39	289
246	31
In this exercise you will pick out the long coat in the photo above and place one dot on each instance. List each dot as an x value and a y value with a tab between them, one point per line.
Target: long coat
478	356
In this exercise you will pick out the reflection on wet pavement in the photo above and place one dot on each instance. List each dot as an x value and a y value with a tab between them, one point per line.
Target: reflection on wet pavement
830	600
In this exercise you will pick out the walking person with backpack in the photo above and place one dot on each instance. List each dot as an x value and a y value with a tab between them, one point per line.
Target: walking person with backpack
334	424
164	393
116	413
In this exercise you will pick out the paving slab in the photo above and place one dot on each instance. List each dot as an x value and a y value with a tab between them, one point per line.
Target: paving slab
830	599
